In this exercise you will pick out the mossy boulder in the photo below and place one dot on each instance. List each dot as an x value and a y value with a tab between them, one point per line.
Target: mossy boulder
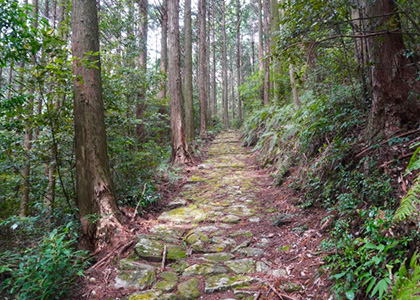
188	290
241	266
224	282
204	269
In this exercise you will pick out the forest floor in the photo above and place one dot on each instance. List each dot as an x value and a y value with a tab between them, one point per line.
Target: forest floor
228	233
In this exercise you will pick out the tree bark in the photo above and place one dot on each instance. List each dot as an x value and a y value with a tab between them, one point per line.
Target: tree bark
224	70
28	136
395	91
274	28
202	79
99	215
141	101
214	85
188	82
239	58
261	52
267	51
180	153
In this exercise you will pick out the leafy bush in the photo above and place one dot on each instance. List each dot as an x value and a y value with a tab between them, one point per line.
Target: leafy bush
47	270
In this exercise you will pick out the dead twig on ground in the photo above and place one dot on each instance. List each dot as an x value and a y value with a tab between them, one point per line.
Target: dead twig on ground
117	251
384	142
164	258
384	165
257	296
281	296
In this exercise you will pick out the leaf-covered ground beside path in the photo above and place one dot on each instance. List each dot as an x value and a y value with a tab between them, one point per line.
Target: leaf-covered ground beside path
228	234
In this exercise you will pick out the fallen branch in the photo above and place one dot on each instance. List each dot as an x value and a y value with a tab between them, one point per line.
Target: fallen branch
257	296
281	296
399	158
117	251
164	258
138	203
384	142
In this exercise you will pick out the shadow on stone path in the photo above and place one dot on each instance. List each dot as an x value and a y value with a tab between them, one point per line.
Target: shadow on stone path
212	235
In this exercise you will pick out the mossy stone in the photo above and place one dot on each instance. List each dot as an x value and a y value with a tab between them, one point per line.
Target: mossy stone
146	295
241	266
231	219
188	290
165	286
179	266
175	252
130	264
170	276
184	215
218	257
224	282
138	279
204	269
239	233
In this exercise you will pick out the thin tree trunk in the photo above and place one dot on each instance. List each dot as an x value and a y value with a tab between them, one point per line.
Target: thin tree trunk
296	100
215	112
264	99
141	101
267	51
28	136
239	57
208	78
203	67
180	153
163	60
224	70
99	215
275	27
188	83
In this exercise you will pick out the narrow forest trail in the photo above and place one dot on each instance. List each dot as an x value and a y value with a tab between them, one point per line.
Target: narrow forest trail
227	235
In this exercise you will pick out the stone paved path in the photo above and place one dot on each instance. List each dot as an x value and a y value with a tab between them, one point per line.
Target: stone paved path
212	234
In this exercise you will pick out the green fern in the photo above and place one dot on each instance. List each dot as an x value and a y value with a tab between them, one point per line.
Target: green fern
407	282
408	202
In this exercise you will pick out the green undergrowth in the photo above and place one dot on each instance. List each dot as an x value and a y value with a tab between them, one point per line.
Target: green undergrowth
47	268
317	145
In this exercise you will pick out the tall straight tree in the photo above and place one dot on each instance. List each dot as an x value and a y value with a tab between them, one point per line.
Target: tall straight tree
188	81
395	89
267	51
239	57
202	78
95	197
141	101
180	153
264	100
225	91
28	136
274	28
163	45
214	80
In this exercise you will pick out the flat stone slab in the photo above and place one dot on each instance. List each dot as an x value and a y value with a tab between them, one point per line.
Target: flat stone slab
168	230
189	289
250	251
224	282
153	249
230	219
136	279
241	266
204	269
130	264
218	257
146	295
184	215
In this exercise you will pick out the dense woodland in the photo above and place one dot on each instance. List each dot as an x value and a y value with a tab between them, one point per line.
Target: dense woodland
104	102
